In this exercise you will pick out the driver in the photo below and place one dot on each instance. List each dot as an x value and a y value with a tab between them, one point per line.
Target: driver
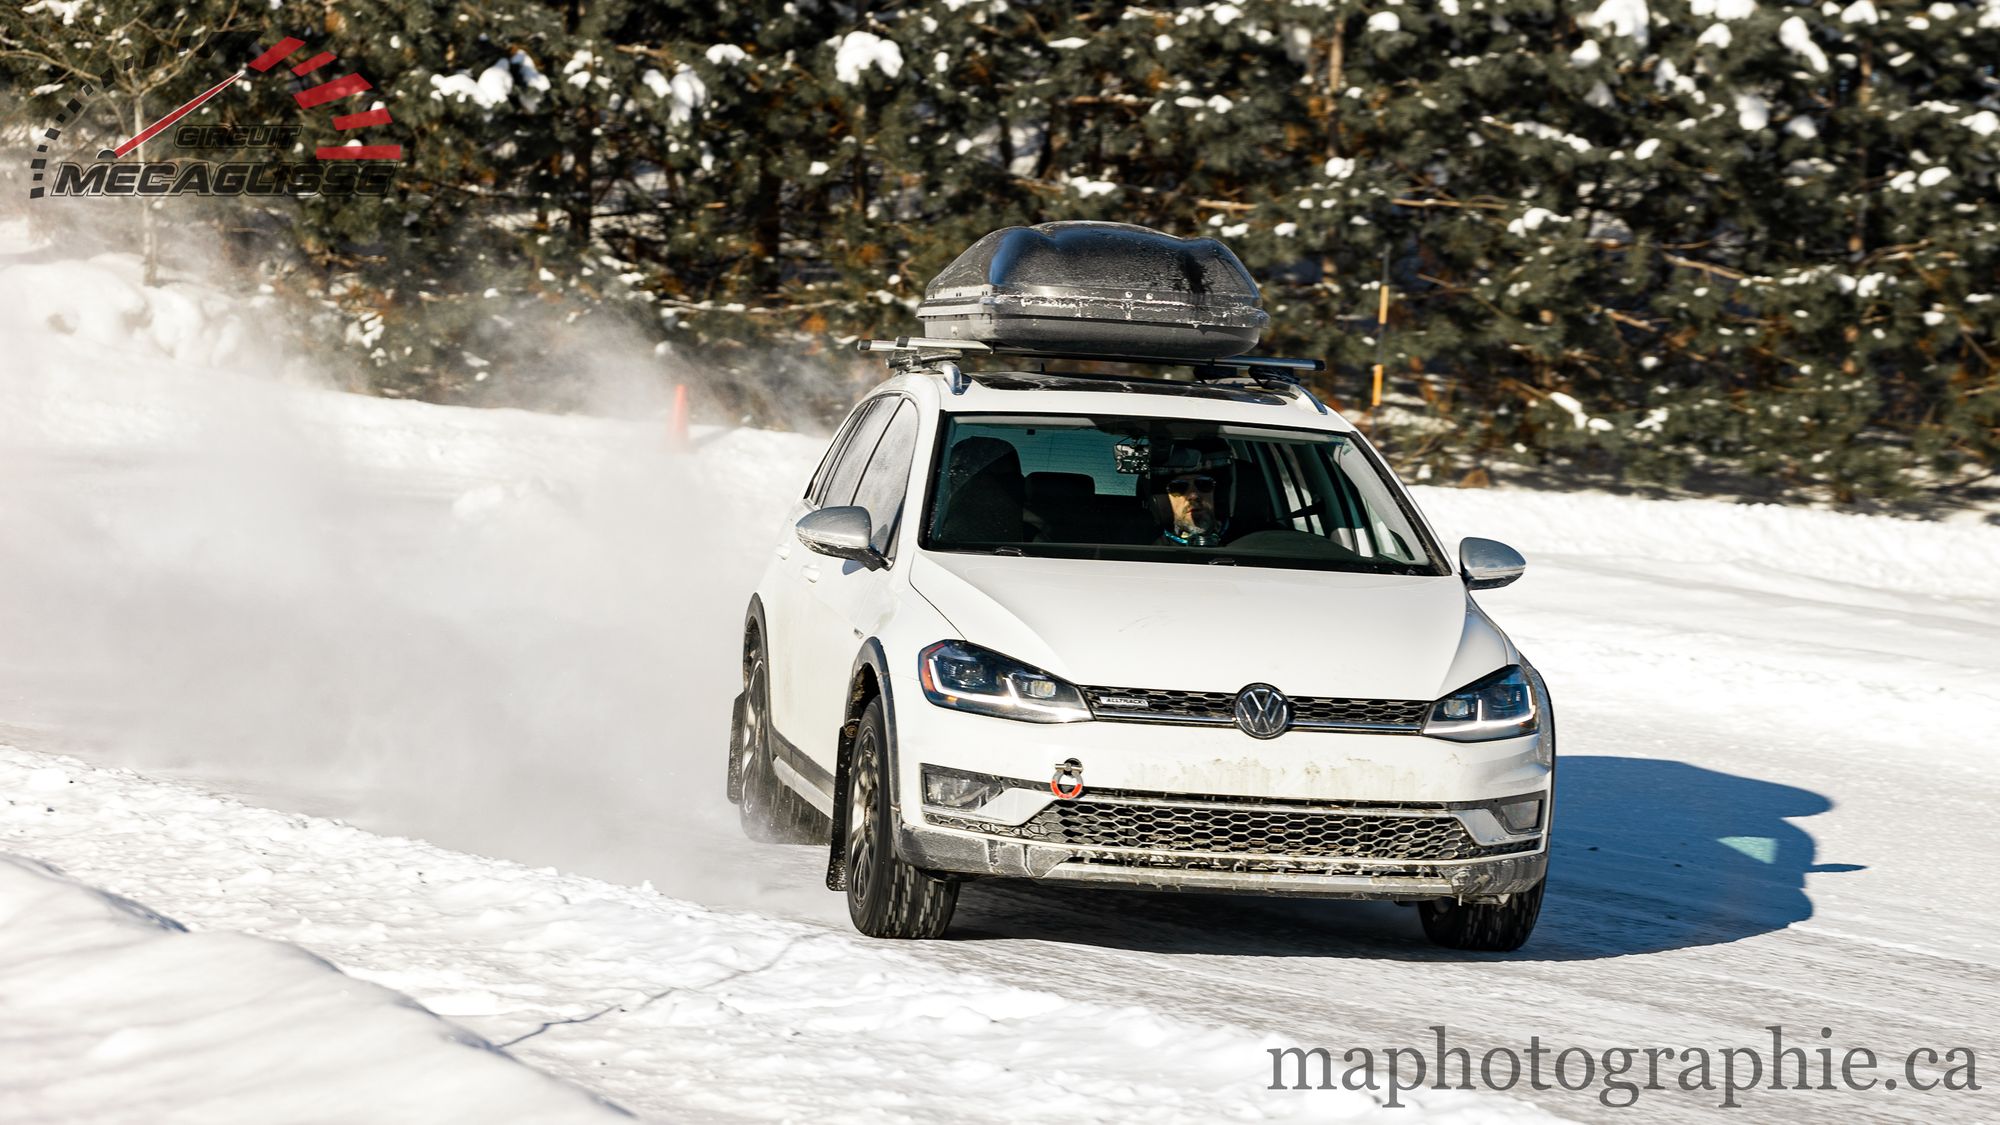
1189	493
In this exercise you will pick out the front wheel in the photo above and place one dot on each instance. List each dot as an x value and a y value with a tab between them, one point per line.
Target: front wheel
1483	927
886	897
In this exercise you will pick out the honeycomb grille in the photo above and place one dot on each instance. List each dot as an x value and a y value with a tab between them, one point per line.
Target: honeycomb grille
1244	831
1156	705
1218	705
1374	712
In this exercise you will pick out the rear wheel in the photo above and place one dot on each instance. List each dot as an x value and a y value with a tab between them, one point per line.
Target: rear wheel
886	897
1483	927
771	813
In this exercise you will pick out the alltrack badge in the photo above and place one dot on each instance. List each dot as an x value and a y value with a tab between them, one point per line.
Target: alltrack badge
1262	711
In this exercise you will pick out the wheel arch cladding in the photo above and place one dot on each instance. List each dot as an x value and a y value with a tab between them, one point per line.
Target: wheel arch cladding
753	618
867	681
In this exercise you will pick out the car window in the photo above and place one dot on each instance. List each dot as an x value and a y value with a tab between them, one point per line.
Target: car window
853	456
816	487
1169	490
888	475
1063	449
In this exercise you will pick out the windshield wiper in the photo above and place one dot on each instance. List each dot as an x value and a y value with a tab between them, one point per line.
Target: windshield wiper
1222	560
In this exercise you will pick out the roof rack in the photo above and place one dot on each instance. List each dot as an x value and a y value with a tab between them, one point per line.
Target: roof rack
1263	369
930	345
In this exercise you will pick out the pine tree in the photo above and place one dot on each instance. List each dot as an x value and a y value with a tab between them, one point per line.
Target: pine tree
1740	246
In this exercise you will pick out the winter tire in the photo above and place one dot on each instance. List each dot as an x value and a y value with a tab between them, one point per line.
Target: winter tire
771	813
1483	927
886	897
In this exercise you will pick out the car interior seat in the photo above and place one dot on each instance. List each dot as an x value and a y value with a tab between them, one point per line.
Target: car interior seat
984	494
1060	506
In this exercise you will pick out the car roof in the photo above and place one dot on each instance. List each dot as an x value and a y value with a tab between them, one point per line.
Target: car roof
1010	391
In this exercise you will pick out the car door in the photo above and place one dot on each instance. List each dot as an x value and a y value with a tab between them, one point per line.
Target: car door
850	599
789	609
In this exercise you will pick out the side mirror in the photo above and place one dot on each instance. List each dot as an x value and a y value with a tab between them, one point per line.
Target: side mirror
842	532
1487	564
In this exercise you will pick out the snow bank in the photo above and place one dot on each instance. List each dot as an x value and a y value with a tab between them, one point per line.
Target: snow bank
112	1013
101	301
1883	553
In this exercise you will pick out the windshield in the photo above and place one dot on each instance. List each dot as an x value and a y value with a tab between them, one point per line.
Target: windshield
1167	490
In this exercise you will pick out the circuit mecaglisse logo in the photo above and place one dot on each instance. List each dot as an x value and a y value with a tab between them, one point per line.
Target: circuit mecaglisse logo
349	168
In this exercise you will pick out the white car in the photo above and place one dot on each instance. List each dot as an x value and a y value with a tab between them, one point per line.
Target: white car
1043	622
980	650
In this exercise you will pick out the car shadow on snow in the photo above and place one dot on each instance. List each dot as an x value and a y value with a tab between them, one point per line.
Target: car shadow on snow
1649	855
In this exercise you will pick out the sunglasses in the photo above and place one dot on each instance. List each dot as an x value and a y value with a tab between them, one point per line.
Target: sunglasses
1181	486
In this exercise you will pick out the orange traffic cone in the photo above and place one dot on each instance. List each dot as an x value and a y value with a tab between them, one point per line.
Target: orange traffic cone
677	425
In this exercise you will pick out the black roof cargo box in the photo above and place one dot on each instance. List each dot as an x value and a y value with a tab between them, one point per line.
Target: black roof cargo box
1086	288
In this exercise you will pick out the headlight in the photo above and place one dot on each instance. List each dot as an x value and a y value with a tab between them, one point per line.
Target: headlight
966	677
1500	706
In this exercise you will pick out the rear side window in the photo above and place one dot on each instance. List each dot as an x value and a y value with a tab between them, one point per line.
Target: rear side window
888	475
816	487
842	475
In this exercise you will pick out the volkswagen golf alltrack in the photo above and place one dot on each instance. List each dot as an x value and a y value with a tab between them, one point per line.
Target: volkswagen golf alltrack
1101	629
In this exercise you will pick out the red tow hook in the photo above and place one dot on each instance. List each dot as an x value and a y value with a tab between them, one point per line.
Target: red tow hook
1069	773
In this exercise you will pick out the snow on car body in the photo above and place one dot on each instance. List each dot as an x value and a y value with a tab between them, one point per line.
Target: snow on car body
1000	637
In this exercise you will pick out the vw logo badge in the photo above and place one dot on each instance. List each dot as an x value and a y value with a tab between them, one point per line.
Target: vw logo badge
1262	711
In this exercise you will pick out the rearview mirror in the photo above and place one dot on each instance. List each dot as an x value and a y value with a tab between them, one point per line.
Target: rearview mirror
1488	564
842	532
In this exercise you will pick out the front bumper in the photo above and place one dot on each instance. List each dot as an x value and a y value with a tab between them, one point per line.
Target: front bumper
1372	816
1489	880
1164	842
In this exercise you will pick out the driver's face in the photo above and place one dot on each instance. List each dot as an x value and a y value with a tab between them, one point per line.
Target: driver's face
1192	498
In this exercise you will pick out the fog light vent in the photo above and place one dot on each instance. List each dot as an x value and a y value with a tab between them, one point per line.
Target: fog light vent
950	789
1522	816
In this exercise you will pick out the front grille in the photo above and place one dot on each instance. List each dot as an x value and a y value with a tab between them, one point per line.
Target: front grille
1372	712
1309	712
1253	831
1245	830
1217	705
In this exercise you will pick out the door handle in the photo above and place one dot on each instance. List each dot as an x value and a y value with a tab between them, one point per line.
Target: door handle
784	550
811	573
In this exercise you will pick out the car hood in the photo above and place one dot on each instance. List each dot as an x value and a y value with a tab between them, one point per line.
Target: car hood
1214	628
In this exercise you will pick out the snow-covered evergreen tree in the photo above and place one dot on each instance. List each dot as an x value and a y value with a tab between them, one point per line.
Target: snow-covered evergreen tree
1741	243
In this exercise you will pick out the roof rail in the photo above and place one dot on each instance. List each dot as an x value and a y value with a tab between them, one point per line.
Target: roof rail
1269	379
917	345
1269	372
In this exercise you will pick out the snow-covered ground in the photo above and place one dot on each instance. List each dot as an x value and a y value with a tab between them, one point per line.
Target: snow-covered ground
117	1014
664	1006
231	612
